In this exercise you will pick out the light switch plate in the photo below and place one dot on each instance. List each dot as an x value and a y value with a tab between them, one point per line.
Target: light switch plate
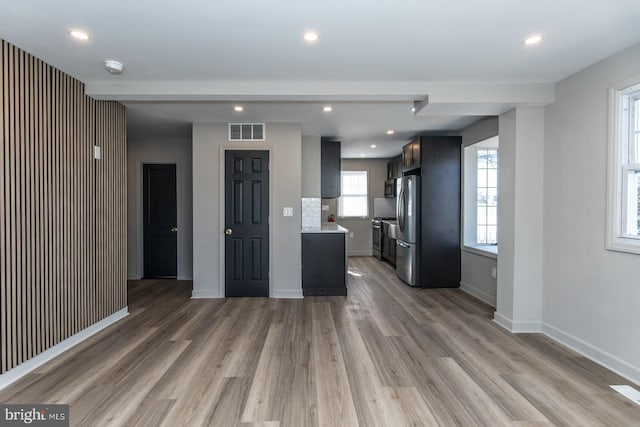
325	207
287	211
96	152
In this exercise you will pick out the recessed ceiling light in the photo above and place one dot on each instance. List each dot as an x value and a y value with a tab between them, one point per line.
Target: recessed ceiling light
390	132
373	146
238	108
311	36
80	35
362	154
534	39
413	109
327	109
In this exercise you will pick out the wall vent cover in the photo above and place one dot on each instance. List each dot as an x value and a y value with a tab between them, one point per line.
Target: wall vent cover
246	132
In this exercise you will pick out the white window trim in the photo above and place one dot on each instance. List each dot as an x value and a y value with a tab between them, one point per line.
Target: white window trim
368	195
487	250
615	241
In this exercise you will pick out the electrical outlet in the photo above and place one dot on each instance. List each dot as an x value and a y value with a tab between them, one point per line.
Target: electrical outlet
351	234
494	273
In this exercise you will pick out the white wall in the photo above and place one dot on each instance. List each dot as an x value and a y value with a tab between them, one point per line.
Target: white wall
591	295
520	218
285	147
150	148
475	274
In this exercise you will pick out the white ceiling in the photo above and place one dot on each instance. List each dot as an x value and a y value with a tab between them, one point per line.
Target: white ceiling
372	61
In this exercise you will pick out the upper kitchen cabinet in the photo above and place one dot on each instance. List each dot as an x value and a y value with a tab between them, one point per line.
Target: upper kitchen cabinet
411	157
395	168
330	169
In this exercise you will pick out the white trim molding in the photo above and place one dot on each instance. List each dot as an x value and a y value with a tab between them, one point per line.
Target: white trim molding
35	362
205	294
517	327
287	294
593	353
478	293
615	240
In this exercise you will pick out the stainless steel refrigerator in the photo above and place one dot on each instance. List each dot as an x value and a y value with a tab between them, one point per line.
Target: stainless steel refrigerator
407	242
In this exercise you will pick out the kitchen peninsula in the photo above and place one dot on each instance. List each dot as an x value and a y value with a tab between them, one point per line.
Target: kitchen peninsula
324	260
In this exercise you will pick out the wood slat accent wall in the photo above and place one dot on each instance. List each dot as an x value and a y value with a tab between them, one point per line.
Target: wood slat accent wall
62	213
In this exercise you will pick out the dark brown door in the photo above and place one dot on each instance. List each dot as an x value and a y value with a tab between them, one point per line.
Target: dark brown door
247	223
160	221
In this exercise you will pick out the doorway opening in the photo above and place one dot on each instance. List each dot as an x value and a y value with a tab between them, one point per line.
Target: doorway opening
160	221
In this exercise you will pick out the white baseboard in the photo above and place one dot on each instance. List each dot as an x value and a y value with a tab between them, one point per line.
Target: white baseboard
517	327
478	293
23	369
592	352
195	294
287	294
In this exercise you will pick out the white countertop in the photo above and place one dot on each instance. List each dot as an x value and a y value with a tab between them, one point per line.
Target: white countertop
326	227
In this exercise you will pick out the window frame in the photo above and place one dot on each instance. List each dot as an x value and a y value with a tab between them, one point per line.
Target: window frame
469	220
342	195
620	165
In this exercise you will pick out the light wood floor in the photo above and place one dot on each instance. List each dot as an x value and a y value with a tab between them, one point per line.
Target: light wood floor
386	355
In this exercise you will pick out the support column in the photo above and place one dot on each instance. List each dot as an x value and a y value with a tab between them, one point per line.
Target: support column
520	209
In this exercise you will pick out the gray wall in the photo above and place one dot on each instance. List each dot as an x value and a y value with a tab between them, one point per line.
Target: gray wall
361	241
311	166
284	144
142	149
476	268
591	295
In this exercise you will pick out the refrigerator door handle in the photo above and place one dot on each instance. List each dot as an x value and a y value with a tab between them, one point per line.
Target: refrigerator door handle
401	218
403	245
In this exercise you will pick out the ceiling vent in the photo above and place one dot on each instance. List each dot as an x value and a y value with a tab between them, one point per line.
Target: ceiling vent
246	131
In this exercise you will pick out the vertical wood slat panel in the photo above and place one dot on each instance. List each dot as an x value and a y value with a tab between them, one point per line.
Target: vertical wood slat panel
63	224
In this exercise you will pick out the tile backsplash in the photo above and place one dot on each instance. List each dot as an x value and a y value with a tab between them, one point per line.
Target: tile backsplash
311	212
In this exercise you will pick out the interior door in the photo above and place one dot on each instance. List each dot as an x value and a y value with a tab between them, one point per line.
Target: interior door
246	223
160	221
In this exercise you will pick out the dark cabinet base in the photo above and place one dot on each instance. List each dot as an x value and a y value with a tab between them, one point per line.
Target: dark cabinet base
324	264
324	292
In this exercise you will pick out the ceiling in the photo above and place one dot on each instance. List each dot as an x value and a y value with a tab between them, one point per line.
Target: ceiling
193	60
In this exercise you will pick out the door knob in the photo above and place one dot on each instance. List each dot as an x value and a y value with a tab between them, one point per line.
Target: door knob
228	231
174	229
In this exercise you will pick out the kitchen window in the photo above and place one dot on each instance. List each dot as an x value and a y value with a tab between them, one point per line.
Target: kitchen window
480	214
623	210
354	199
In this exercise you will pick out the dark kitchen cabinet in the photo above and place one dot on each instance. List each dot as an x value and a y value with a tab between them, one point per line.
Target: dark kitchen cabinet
388	246
324	264
411	155
394	168
330	169
398	167
440	212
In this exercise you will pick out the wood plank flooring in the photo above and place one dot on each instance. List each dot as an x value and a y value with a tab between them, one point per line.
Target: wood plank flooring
386	355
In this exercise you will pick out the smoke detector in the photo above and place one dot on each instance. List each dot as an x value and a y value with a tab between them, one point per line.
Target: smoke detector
114	67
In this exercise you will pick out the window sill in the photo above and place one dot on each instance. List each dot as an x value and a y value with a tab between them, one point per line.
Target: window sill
630	246
489	251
